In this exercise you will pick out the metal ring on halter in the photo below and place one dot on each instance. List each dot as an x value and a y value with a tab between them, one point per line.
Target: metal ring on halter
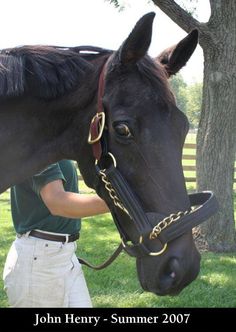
126	245
112	157
151	253
158	252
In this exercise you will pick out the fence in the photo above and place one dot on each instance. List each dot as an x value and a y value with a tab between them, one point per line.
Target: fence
191	158
189	163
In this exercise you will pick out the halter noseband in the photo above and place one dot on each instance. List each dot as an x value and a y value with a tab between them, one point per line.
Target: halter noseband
167	228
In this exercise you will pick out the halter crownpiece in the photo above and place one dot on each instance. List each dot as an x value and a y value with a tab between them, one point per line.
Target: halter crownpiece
98	121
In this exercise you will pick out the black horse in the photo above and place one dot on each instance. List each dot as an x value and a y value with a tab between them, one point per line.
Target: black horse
48	96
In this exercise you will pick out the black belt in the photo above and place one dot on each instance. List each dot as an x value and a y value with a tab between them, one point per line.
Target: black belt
54	237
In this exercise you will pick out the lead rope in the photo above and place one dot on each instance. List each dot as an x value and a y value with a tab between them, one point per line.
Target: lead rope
104	264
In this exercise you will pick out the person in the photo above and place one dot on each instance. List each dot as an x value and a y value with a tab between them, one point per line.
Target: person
41	269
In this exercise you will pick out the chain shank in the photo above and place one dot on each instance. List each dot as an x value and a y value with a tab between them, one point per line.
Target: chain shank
111	191
167	221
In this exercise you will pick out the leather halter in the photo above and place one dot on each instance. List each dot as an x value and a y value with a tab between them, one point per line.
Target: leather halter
167	227
98	121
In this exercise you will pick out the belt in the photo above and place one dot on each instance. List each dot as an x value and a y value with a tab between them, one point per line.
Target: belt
54	237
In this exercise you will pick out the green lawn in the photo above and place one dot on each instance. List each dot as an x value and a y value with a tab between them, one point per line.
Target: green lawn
117	285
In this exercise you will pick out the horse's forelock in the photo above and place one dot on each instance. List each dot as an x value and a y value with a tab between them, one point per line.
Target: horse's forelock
156	76
151	71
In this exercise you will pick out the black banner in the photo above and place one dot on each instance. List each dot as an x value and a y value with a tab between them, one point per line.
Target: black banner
130	319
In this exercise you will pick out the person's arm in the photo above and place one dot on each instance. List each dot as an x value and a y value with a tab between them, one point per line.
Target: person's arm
69	204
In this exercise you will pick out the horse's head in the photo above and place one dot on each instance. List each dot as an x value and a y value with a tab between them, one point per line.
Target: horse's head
146	133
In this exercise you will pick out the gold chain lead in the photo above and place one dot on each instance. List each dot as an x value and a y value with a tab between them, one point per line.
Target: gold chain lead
167	221
117	202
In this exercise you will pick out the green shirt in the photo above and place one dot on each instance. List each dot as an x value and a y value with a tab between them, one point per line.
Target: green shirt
28	209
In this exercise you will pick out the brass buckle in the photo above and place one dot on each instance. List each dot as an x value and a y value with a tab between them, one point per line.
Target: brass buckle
101	117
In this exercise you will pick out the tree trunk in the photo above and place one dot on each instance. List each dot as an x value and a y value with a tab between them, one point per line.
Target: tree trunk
216	139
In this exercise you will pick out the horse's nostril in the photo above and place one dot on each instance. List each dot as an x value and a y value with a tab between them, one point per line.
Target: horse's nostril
171	276
173	268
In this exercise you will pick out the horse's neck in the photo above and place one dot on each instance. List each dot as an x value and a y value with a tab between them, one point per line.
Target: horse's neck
37	133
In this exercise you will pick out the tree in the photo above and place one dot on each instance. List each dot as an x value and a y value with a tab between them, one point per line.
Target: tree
194	102
188	98
216	139
178	86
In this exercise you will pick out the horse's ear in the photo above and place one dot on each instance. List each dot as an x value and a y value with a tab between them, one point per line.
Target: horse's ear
138	42
175	57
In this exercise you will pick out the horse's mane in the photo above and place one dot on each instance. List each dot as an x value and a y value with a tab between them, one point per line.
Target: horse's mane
45	72
48	72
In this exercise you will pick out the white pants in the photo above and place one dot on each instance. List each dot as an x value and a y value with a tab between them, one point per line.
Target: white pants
41	273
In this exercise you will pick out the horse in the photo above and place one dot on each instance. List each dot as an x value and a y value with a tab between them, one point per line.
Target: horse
52	97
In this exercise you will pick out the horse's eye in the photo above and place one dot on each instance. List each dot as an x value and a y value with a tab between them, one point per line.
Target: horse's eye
122	130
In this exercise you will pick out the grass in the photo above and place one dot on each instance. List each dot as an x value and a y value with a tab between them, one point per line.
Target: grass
117	286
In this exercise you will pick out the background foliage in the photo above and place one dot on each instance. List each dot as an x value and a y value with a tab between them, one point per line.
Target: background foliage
188	98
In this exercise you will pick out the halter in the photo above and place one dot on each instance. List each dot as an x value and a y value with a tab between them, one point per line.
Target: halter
167	228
